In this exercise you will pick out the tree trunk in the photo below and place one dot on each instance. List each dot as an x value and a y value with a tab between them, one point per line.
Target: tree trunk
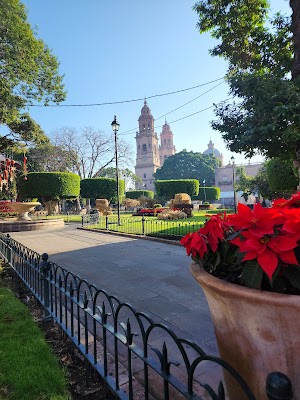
295	5
88	205
295	28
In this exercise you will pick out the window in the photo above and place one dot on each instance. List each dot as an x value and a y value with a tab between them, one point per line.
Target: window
169	141
148	126
145	176
165	141
139	146
149	145
144	126
144	147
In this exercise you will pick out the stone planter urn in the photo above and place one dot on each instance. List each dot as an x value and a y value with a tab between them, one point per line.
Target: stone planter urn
257	332
23	208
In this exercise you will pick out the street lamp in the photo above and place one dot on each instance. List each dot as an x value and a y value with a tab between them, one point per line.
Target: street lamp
115	127
204	181
233	182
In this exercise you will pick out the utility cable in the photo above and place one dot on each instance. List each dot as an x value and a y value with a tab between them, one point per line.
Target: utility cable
125	101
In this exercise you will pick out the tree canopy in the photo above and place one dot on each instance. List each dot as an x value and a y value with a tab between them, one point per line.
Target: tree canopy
263	54
189	165
29	72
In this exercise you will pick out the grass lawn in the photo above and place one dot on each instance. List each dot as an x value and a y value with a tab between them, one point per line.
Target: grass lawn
28	368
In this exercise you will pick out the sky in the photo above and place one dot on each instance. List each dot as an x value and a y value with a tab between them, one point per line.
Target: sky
114	51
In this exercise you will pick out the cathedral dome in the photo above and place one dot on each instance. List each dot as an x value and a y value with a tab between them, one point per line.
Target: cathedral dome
212	150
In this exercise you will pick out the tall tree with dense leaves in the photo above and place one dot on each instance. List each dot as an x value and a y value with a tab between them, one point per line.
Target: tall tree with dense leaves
189	165
264	65
29	73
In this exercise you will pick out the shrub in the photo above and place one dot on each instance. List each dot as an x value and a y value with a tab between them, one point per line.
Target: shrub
211	193
136	194
101	188
157	206
49	186
169	188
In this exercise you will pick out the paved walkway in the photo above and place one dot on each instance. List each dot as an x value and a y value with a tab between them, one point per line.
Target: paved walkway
152	276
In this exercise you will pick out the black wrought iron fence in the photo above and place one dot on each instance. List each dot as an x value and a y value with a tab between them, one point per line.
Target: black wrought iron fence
120	342
147	226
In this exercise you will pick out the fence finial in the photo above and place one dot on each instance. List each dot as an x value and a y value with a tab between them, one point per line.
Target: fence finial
279	387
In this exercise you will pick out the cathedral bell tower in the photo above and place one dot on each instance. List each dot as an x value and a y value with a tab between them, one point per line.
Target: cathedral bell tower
166	148
147	154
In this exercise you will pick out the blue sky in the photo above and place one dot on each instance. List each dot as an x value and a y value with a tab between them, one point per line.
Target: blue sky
121	50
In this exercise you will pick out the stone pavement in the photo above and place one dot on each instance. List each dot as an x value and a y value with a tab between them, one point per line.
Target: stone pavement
152	276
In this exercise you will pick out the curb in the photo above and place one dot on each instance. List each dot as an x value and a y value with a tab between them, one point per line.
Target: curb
132	236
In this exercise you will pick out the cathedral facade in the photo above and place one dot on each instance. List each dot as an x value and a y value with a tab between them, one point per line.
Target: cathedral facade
150	154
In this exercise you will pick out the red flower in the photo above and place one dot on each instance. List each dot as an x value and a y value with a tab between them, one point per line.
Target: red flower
195	244
267	249
214	230
259	221
293	202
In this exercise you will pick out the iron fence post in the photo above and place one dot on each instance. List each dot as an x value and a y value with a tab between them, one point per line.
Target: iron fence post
279	387
8	250
106	222
45	270
143	225
82	221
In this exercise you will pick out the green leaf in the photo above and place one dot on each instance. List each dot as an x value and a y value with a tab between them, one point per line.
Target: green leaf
252	274
293	276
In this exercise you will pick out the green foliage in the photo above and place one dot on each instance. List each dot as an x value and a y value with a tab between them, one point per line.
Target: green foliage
49	185
136	194
157	206
29	72
48	158
210	194
101	188
281	176
188	165
265	118
168	188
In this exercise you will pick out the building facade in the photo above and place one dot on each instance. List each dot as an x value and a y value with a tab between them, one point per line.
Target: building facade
149	154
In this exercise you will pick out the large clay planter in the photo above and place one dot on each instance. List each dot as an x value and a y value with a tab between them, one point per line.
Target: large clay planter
257	332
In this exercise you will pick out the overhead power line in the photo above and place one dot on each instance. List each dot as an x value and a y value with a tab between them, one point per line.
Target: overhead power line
180	119
175	109
125	101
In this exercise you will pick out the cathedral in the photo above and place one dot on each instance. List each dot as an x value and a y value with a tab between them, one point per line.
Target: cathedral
150	155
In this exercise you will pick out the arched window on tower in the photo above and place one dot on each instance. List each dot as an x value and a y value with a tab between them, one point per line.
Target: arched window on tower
165	141
144	126
148	126
144	147
169	141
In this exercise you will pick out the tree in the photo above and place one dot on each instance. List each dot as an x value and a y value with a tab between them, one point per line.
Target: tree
91	151
244	183
168	188
131	180
50	187
281	177
189	165
49	158
262	54
29	72
101	188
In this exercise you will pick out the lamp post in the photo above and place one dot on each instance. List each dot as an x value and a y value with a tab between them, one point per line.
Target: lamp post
233	182
204	181
115	127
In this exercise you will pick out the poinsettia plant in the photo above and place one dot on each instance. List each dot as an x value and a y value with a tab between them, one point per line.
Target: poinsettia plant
257	248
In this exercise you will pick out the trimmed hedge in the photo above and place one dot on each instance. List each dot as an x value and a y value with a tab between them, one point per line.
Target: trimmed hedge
49	185
168	188
101	188
136	194
212	193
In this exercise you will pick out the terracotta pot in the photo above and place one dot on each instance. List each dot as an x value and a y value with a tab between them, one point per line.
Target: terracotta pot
257	332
